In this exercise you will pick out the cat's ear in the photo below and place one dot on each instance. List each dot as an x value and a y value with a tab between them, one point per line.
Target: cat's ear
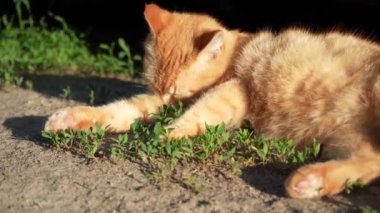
156	17
210	44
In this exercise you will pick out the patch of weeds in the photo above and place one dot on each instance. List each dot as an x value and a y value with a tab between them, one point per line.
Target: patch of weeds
287	152
249	148
350	186
91	97
211	142
30	46
117	148
157	175
160	172
194	184
18	80
217	147
368	209
86	143
167	113
66	92
28	84
89	141
61	140
86	184
235	167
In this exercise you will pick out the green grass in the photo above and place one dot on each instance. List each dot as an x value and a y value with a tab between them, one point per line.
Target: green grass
66	93
194	184
368	209
33	47
85	143
144	143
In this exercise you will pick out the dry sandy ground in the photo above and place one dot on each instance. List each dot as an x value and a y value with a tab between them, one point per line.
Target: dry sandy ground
35	178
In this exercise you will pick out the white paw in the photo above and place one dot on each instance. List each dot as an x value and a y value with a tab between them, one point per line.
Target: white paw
308	187
178	132
62	119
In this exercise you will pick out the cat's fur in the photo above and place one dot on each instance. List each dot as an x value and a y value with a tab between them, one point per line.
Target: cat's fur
294	84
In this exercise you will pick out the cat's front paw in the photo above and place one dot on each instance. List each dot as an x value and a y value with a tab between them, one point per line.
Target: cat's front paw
71	118
177	132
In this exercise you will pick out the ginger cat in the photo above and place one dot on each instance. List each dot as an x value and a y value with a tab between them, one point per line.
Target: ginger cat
294	84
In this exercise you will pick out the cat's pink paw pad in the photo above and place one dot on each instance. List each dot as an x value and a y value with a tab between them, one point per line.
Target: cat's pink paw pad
61	119
305	186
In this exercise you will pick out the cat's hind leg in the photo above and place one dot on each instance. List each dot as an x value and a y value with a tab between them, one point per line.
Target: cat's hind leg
331	177
116	116
226	103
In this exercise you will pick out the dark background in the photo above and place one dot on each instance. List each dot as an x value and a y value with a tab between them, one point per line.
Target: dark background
106	20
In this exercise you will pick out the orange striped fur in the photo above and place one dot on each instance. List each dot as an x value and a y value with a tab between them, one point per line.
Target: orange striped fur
294	84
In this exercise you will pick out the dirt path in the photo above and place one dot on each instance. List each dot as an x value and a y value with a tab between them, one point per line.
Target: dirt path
34	178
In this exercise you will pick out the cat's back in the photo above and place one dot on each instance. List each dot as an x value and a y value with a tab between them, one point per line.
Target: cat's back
297	51
297	78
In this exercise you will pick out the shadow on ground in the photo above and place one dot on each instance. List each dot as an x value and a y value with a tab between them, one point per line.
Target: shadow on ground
266	178
27	127
368	196
105	89
270	179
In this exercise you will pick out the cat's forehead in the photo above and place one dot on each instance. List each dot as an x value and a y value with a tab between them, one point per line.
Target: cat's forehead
177	39
180	29
188	25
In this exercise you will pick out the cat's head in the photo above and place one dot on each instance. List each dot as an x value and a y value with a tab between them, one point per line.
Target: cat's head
184	52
